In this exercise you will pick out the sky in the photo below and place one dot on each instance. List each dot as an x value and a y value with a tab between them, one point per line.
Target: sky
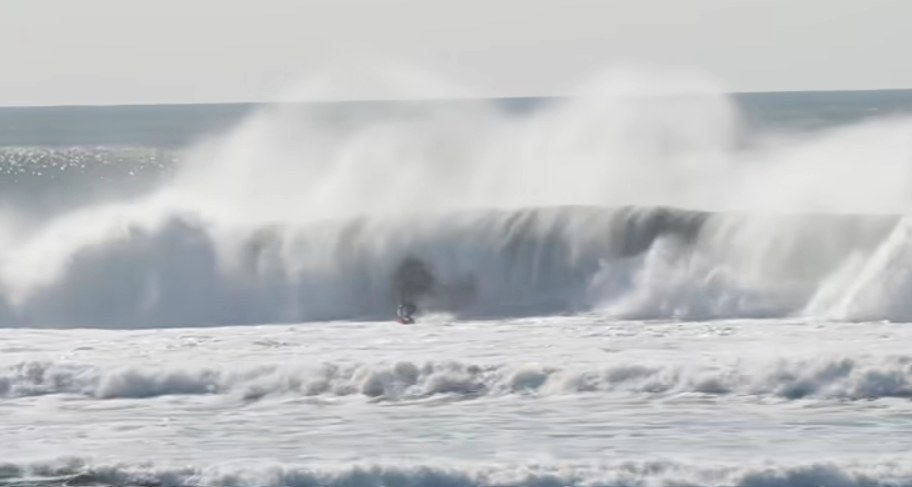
198	51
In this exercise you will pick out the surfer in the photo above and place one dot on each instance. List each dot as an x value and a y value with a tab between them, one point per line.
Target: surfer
405	312
413	281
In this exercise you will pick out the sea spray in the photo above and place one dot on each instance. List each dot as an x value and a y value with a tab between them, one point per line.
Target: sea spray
304	212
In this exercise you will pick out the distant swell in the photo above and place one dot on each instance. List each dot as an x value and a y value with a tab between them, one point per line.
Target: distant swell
38	181
842	379
627	474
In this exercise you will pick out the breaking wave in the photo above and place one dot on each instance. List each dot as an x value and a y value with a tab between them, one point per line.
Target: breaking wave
627	262
824	379
619	474
646	197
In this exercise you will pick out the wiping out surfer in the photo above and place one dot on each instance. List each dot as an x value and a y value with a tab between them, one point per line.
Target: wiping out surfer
412	280
406	311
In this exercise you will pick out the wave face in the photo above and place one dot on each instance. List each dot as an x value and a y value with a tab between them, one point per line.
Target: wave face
629	262
646	197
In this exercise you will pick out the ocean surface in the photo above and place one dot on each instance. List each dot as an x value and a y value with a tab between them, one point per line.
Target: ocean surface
637	287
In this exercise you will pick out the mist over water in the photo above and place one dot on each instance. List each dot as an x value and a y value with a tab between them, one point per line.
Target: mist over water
630	139
644	195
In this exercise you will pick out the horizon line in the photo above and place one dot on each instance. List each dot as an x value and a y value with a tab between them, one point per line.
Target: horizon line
400	100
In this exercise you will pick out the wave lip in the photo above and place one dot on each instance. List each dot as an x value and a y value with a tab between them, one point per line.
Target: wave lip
824	379
619	474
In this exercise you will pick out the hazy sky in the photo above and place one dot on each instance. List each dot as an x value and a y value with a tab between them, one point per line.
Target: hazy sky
152	51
